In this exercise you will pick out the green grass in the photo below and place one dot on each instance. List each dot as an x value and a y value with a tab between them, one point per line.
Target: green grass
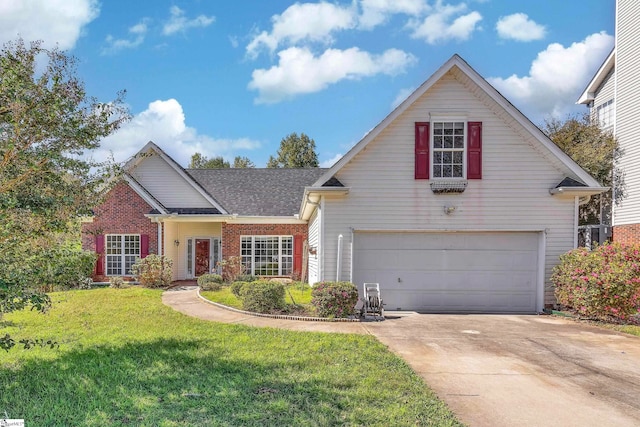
125	359
629	329
301	295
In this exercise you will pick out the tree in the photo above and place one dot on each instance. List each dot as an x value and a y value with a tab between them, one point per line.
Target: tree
596	151
243	162
295	152
48	125
198	161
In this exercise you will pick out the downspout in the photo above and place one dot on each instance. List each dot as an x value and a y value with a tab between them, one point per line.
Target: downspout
160	246
339	259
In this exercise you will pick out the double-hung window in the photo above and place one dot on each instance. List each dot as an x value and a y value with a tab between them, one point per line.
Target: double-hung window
121	252
267	255
448	150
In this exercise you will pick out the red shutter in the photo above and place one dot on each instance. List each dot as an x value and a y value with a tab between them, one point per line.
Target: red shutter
422	150
474	151
297	255
144	245
100	252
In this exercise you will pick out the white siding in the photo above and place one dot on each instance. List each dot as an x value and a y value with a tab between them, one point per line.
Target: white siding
166	185
605	93
513	194
314	242
627	111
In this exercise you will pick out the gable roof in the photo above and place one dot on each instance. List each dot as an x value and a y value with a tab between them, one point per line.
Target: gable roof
149	149
257	192
589	94
457	62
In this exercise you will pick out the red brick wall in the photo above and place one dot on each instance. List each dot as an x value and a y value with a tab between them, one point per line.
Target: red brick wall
231	234
122	212
626	234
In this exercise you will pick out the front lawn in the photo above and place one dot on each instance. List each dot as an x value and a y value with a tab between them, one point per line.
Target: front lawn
125	359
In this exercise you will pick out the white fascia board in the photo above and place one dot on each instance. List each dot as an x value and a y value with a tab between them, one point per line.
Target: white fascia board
589	93
230	219
142	192
570	192
313	195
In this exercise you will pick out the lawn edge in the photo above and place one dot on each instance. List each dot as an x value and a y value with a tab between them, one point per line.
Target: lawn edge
276	316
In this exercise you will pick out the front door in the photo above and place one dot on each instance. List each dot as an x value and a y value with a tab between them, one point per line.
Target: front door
203	252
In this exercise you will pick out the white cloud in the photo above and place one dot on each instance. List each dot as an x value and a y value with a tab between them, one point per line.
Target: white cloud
329	162
402	95
376	12
299	71
446	22
314	22
53	21
556	76
519	27
137	32
179	23
163	122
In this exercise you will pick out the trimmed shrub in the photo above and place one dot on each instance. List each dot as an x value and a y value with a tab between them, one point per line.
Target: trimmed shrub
62	267
237	288
153	271
246	278
601	283
210	282
116	282
262	297
334	299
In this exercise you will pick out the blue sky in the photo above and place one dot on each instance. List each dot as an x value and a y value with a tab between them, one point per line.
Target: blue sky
234	77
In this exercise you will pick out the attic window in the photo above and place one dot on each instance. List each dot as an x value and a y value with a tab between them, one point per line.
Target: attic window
448	187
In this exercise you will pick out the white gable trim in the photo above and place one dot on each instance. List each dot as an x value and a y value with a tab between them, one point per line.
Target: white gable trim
457	61
589	93
142	192
149	148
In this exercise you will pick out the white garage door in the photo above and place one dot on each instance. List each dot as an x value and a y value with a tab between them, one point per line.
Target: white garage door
450	272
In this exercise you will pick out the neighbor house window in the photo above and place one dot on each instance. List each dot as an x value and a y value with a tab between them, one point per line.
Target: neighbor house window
121	251
448	149
606	114
267	255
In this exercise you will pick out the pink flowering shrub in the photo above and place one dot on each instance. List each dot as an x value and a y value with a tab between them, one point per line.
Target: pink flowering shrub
603	283
334	299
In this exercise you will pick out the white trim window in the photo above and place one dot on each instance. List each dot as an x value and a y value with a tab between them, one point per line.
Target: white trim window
606	114
267	255
121	252
448	144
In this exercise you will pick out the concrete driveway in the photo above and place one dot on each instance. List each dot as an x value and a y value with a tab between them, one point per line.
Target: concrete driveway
517	370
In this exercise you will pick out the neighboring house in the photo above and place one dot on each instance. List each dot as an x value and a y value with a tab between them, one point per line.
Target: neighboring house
455	202
612	98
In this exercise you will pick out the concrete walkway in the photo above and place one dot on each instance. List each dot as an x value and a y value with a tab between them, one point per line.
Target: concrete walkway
494	370
185	300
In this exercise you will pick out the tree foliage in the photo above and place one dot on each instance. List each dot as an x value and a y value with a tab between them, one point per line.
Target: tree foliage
596	151
295	152
241	162
48	125
198	161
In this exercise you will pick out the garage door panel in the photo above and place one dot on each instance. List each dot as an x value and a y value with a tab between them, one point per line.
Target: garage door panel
450	272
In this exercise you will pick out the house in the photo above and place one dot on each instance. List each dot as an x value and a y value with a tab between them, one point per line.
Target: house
455	202
612	98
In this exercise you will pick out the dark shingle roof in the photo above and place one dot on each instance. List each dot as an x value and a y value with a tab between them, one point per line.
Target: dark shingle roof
570	182
189	211
257	192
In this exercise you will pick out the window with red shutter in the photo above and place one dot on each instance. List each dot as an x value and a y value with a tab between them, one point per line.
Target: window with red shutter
474	150
100	251
422	138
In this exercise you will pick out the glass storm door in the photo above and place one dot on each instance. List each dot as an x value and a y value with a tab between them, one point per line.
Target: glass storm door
203	252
